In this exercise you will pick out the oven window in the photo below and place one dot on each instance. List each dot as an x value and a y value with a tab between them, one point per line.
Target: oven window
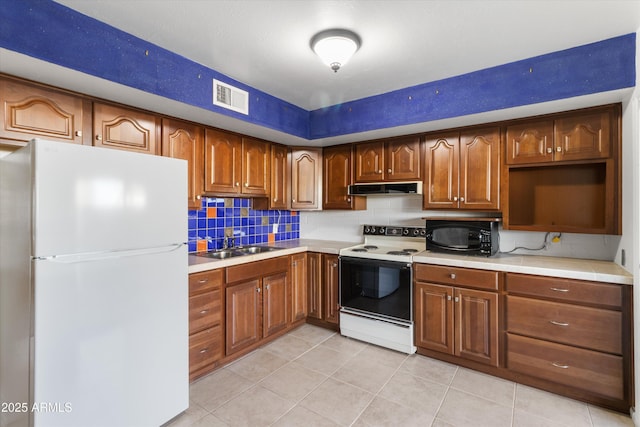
376	287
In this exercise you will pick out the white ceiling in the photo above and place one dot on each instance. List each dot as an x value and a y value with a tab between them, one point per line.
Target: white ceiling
265	44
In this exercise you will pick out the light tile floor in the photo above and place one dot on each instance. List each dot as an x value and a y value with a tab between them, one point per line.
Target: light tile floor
315	377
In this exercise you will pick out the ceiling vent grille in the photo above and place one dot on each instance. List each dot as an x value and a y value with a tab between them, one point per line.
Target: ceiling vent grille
232	98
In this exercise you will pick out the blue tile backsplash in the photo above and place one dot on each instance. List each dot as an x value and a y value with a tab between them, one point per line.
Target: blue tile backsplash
220	217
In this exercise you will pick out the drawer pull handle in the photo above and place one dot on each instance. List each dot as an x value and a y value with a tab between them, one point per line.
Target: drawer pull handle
204	350
448	297
203	280
204	311
559	290
560	365
456	299
553	322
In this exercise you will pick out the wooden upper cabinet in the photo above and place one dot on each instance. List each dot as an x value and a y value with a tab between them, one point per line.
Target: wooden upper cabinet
337	176
584	136
306	178
393	160
222	162
462	171
279	197
441	164
182	140
125	129
34	112
530	142
576	136
256	160
480	169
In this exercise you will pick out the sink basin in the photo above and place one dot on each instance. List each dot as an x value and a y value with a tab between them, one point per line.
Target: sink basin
239	251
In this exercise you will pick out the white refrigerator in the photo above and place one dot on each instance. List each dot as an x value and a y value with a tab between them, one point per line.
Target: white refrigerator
93	287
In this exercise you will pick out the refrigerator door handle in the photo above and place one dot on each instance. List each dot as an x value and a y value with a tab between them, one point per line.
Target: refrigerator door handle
95	256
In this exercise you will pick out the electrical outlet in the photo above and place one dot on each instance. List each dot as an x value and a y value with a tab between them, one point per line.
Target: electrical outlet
275	228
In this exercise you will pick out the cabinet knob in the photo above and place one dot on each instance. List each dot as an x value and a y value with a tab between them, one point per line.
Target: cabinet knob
559	149
549	150
237	184
198	197
275	199
267	287
462	199
258	290
456	299
455	198
452	276
380	171
78	133
294	200
448	297
294	263
246	184
98	137
348	199
389	170
334	265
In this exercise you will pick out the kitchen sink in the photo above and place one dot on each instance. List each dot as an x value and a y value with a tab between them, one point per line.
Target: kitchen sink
239	251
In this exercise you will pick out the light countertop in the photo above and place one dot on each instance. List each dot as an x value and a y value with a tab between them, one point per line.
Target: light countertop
570	268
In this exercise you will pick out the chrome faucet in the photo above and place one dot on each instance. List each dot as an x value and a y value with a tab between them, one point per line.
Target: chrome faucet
229	242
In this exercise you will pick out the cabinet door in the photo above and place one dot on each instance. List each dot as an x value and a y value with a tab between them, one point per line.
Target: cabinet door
125	129
314	285
331	288
402	159
480	169
279	197
441	172
185	141
336	174
583	136
434	317
476	325
369	162
306	179
298	277
530	142
256	160
243	315
33	112
223	162
274	304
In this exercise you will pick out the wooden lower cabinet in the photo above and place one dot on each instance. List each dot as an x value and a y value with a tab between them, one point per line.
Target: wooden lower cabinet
256	302
323	286
298	277
205	321
574	335
457	321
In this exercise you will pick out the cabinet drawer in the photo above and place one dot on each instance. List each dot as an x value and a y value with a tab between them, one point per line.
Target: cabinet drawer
585	369
578	291
587	327
205	347
456	276
205	310
255	269
202	282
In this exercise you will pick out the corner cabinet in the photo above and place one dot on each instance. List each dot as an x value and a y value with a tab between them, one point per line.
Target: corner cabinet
182	140
562	173
337	175
31	111
393	160
462	170
126	129
235	165
306	178
456	312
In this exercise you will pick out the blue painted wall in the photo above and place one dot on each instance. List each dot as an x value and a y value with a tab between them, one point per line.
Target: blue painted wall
38	28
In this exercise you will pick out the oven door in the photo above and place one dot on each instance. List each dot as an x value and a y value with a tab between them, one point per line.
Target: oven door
374	287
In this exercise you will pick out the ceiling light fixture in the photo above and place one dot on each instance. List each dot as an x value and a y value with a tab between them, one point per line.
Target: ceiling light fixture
335	47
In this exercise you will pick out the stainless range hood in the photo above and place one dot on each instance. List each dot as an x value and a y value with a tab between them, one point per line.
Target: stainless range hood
385	188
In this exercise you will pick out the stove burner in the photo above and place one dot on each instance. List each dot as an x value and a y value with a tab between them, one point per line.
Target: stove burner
410	250
372	247
397	253
359	250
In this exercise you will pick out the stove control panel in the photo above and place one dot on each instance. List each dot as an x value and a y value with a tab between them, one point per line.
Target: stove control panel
388	230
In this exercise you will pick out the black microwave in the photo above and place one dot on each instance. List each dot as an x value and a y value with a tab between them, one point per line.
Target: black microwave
463	236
